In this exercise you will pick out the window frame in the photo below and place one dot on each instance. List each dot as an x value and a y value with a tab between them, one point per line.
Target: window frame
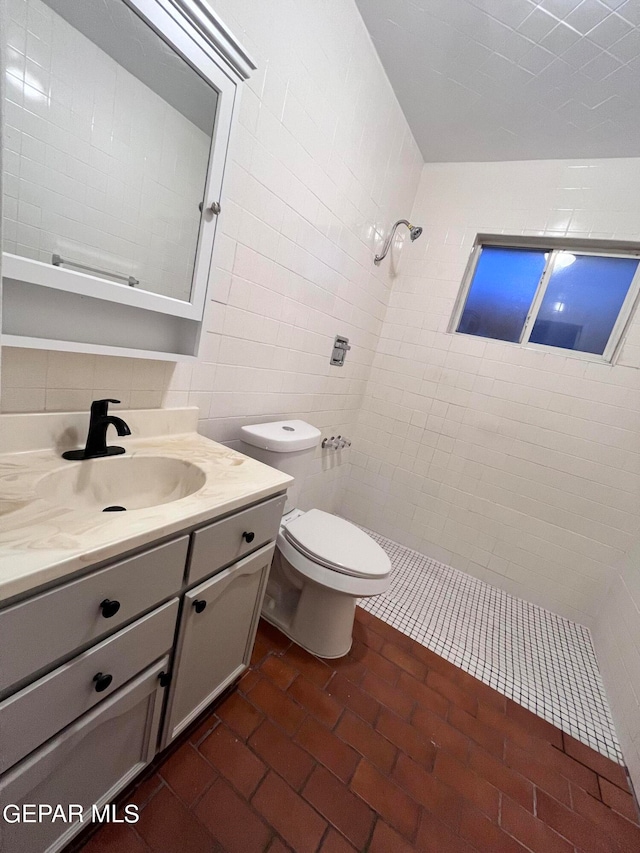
553	246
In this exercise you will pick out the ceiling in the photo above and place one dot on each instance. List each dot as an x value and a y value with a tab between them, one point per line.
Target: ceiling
513	79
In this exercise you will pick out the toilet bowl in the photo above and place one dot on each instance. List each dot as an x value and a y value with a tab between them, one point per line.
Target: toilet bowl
322	563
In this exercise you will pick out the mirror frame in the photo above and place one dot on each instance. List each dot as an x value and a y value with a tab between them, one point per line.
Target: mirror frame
199	37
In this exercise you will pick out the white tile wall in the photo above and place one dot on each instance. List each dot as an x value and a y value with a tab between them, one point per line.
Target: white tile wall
617	637
98	168
517	466
322	162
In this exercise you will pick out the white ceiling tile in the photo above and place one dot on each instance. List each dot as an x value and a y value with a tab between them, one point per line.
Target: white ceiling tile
601	66
631	11
538	24
627	48
581	52
587	15
473	87
610	31
561	38
536	59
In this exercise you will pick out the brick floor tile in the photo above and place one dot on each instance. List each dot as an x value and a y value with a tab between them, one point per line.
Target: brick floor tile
289	814
468	784
365	634
484	694
362	737
335	843
278	846
278	671
235	761
277	705
240	715
167	826
430	792
535	725
621	830
343	809
312	668
187	773
530	831
407	738
275	639
440	733
279	752
147	789
488	738
260	650
459	697
423	695
526	764
316	701
352	697
602	765
115	837
619	800
404	659
232	821
572	826
374	662
386	798
484	834
206	726
387	840
568	767
247	681
387	695
511	783
328	749
435	837
350	667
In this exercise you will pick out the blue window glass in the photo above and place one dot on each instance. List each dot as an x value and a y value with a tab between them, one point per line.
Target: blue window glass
582	301
500	295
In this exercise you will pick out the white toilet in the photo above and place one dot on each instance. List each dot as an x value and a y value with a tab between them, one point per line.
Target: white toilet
322	563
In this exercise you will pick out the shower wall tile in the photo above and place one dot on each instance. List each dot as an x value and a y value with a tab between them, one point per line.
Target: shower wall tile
518	466
321	163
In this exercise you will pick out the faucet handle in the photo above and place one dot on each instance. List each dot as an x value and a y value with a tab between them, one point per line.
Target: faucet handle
107	401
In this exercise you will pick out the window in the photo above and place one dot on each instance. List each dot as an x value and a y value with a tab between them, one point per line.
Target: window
572	296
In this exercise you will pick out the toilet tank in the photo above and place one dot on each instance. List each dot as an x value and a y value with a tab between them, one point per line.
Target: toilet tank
288	446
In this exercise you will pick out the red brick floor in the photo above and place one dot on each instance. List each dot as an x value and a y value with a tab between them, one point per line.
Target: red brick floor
388	750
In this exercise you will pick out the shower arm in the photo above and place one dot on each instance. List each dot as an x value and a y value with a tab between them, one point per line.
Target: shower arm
387	242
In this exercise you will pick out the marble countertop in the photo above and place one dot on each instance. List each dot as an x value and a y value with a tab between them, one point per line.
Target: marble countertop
41	541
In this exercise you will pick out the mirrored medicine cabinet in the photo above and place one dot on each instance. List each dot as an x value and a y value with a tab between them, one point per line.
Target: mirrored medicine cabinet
117	116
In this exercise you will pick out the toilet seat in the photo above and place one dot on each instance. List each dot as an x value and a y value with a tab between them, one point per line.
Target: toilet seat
337	545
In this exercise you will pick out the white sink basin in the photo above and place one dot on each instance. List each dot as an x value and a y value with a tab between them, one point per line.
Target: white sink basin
127	482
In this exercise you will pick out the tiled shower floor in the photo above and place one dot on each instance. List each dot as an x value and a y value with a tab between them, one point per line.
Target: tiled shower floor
538	659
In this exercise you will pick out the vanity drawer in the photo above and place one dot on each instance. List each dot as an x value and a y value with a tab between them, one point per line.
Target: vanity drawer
72	689
225	541
41	630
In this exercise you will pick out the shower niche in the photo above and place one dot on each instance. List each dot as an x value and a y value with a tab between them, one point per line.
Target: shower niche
118	117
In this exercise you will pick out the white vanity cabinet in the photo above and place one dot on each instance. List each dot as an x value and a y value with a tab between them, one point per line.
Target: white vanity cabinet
99	673
217	631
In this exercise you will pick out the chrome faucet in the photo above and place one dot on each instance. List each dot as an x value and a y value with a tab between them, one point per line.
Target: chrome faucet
99	422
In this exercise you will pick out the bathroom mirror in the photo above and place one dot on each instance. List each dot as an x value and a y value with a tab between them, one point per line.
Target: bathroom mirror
117	121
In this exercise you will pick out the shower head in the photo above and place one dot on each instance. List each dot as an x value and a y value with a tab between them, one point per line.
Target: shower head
414	232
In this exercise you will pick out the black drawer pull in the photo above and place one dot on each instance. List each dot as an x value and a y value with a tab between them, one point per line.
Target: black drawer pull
109	608
248	536
199	604
102	681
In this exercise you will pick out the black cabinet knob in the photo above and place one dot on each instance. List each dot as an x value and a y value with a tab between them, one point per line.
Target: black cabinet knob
248	536
102	681
199	604
109	608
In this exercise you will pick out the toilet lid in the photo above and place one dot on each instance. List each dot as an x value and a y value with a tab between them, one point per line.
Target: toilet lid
337	544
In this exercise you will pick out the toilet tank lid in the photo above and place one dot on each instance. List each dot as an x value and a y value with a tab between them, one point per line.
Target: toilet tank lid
281	436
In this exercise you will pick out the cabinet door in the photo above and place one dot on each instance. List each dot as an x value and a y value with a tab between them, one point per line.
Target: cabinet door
217	632
87	764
